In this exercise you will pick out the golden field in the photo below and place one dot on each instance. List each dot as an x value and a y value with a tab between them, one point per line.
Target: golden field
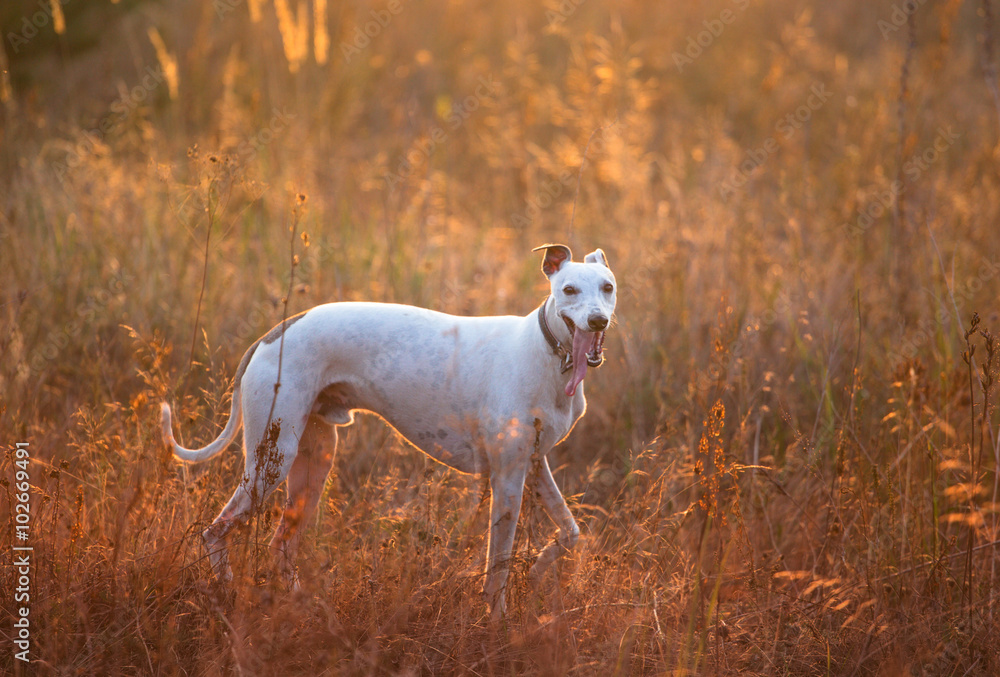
789	463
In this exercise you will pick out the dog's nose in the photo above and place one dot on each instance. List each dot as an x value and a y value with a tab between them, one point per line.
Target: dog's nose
597	323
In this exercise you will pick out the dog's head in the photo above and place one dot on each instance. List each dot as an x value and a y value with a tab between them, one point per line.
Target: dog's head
585	295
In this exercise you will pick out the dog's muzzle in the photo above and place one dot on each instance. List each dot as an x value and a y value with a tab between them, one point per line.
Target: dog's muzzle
587	349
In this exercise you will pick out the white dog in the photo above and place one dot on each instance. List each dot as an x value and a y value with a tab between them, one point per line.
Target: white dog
479	394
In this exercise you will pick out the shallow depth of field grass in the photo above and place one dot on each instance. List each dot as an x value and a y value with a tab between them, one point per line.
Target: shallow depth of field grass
789	463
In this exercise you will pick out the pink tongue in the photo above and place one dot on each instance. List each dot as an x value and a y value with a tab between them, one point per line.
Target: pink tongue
583	342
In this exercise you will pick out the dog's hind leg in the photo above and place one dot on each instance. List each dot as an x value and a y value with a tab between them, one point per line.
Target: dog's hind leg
215	536
306	480
267	464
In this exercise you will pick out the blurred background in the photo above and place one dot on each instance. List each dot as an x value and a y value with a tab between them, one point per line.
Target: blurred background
788	459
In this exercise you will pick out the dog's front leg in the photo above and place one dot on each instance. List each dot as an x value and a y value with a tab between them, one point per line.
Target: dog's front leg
558	511
506	487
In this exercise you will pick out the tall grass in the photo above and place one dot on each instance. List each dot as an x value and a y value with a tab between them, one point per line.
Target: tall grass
788	465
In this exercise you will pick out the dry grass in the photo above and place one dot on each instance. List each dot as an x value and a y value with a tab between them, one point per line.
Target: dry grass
788	467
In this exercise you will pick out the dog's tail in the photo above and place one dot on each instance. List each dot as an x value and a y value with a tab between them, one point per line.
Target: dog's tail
216	446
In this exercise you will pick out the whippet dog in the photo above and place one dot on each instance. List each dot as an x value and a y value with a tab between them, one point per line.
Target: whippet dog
479	394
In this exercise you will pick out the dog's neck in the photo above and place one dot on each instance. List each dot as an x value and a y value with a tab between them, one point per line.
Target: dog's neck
559	348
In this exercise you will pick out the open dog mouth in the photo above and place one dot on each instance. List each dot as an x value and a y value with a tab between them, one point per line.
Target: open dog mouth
587	350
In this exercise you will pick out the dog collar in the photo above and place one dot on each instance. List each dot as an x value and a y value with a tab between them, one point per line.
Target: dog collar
593	360
557	347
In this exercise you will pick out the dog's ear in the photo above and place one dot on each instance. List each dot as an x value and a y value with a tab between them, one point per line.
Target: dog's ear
555	256
597	256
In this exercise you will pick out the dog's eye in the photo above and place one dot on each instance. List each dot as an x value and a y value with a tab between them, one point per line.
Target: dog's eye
608	288
570	290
